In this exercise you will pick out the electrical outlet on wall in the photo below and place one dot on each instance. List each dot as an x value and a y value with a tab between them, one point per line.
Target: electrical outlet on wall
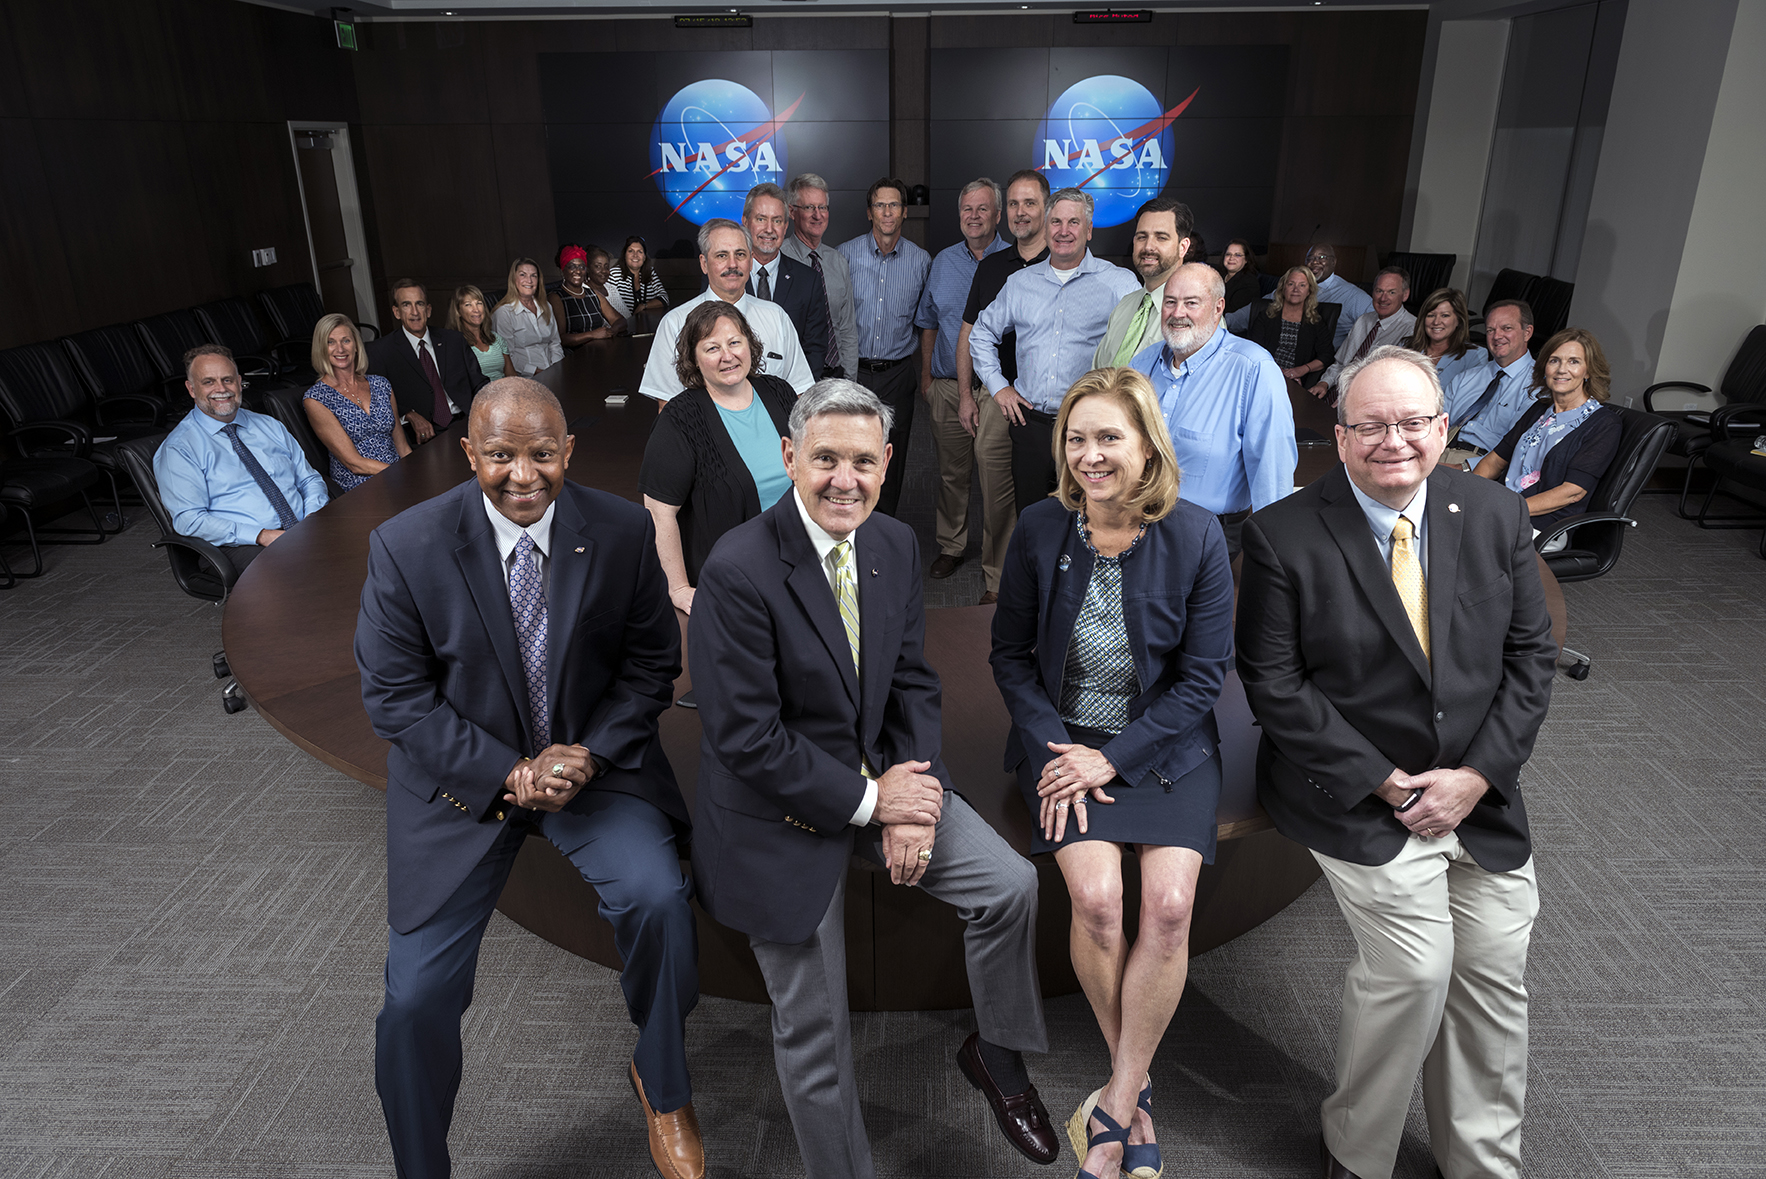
264	257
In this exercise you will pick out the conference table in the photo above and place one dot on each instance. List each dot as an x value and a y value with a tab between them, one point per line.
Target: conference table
288	629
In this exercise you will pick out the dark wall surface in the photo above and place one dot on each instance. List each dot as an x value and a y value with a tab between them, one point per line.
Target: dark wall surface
147	155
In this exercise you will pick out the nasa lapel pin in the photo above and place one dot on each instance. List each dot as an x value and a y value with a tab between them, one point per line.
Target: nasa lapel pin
579	548
1065	563
873	573
1453	507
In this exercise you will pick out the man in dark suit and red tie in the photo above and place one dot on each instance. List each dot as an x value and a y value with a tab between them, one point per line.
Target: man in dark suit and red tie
822	740
433	372
516	647
1394	645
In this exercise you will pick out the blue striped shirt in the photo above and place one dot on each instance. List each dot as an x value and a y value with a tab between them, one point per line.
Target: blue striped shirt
946	296
1058	323
885	293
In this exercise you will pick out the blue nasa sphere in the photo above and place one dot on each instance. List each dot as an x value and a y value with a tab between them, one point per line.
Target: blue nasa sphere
697	156
1108	136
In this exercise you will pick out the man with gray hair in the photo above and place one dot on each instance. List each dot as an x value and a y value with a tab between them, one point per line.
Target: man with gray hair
821	741
809	222
785	281
1395	647
1060	309
726	255
940	320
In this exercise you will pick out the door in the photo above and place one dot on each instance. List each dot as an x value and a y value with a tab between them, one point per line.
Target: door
331	254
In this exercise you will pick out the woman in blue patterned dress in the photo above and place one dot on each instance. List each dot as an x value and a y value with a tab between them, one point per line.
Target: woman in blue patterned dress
353	414
1110	643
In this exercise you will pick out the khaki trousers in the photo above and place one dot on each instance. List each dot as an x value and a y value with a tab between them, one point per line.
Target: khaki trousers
958	454
1436	986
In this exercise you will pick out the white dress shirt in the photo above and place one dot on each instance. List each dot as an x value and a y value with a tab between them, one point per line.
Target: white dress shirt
508	534
772	327
534	342
1396	329
416	351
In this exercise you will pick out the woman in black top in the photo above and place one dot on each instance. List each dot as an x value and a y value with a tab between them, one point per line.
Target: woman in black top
1239	268
714	457
581	312
1559	449
1293	330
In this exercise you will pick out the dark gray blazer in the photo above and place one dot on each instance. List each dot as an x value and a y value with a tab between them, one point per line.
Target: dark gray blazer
1337	679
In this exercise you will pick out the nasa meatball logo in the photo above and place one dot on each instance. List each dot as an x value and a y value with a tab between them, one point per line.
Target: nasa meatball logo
713	141
1111	137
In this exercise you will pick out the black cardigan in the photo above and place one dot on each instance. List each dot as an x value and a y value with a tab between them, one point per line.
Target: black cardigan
691	463
1316	339
1581	457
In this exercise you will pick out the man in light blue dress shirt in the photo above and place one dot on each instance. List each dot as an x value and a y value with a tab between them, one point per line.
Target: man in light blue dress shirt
1225	404
1334	288
204	472
1060	309
1484	403
888	274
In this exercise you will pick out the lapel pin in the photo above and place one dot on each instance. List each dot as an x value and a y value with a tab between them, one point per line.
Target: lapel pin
873	573
1450	507
1065	563
580	549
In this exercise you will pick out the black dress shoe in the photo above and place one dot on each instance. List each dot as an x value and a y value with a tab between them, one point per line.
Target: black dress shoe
1332	1168
1021	1116
944	565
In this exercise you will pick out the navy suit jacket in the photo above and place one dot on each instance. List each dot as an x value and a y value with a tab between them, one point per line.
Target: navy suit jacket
1177	601
785	719
1340	684
392	357
442	678
804	296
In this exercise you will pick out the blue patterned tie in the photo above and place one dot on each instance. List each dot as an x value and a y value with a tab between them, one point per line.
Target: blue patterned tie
527	598
261	477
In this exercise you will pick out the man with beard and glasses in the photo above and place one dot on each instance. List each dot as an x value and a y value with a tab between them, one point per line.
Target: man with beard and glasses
1163	232
725	255
1225	404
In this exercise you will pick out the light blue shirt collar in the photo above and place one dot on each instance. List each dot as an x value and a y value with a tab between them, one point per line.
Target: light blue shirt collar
1382	519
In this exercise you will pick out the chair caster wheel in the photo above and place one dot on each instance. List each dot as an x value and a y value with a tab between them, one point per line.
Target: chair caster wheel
222	671
1577	672
233	698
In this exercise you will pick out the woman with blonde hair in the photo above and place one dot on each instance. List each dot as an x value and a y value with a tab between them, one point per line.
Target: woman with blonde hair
523	317
1111	641
1292	328
470	315
355	415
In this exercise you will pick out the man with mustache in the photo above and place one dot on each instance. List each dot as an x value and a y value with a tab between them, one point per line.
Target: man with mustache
791	284
1225	404
725	256
1164	230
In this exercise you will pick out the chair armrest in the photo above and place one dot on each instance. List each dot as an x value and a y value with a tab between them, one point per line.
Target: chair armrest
155	409
73	433
1650	393
207	552
369	331
1575	522
305	345
1725	424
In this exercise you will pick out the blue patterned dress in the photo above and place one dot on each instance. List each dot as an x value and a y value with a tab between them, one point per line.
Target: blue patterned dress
370	432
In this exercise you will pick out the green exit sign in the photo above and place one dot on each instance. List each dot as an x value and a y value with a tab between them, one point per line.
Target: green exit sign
346	34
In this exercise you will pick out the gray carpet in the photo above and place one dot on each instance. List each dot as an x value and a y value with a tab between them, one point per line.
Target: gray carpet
191	947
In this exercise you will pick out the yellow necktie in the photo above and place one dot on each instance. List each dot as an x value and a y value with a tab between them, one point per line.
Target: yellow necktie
846	591
1407	575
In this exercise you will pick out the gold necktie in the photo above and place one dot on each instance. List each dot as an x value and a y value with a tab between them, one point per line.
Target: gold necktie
1407	575
846	592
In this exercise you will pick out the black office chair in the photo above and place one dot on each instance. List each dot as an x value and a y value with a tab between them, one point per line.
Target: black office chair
30	486
1597	535
293	311
200	569
1510	284
166	338
1428	272
287	405
8	578
1732	458
1551	310
113	363
232	322
1744	408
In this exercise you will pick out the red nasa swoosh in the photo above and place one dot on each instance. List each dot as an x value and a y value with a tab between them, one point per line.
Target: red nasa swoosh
1139	135
765	130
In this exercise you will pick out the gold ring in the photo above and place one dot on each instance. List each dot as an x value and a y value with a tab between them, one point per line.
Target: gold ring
558	770
925	855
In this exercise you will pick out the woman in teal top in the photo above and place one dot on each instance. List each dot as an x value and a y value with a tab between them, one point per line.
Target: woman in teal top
470	316
714	458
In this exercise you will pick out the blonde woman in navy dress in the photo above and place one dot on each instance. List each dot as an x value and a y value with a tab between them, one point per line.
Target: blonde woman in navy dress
1111	640
355	415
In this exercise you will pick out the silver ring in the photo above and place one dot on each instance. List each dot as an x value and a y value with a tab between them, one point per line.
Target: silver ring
558	770
1060	806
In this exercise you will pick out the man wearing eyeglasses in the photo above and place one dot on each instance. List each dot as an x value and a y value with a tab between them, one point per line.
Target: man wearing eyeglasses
1394	645
888	275
809	222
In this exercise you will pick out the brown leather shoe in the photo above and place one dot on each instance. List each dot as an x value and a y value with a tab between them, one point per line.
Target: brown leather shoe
1332	1168
988	599
1021	1116
944	566
675	1146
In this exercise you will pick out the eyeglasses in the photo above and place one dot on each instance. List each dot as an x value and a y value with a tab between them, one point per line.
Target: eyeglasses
886	206
814	210
1410	429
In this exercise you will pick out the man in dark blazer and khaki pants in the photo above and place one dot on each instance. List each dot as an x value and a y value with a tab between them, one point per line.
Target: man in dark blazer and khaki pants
1394	644
822	740
516	647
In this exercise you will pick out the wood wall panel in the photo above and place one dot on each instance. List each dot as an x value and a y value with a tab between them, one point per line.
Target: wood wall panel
420	84
436	192
12	87
530	223
39	293
87	59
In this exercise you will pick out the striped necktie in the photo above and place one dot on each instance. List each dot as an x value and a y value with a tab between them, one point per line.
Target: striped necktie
846	592
1407	575
832	359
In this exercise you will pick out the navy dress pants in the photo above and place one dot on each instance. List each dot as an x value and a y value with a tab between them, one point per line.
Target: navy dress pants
625	848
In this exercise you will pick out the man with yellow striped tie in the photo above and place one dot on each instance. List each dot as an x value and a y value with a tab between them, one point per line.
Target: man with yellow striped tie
1394	645
822	740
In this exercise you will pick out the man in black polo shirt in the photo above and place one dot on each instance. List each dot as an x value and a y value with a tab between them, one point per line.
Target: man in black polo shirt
1027	199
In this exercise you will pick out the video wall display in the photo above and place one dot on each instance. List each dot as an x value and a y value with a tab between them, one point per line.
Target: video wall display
1200	123
657	143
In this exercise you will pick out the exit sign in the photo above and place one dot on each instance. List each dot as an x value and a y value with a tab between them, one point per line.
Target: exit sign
346	34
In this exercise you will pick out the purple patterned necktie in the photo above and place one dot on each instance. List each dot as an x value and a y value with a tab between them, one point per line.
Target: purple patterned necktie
832	358
527	598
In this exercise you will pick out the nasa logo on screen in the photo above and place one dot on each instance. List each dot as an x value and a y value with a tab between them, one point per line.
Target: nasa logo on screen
1110	136
713	141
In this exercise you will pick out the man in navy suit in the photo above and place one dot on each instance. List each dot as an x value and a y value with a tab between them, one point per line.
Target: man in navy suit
821	740
433	372
516	647
791	284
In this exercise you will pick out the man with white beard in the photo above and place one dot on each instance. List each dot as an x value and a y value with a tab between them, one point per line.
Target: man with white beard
1225	404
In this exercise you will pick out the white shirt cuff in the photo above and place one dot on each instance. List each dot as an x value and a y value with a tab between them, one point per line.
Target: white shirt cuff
867	807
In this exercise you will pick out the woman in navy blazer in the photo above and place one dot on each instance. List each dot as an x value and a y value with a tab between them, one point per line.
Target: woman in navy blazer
1111	640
